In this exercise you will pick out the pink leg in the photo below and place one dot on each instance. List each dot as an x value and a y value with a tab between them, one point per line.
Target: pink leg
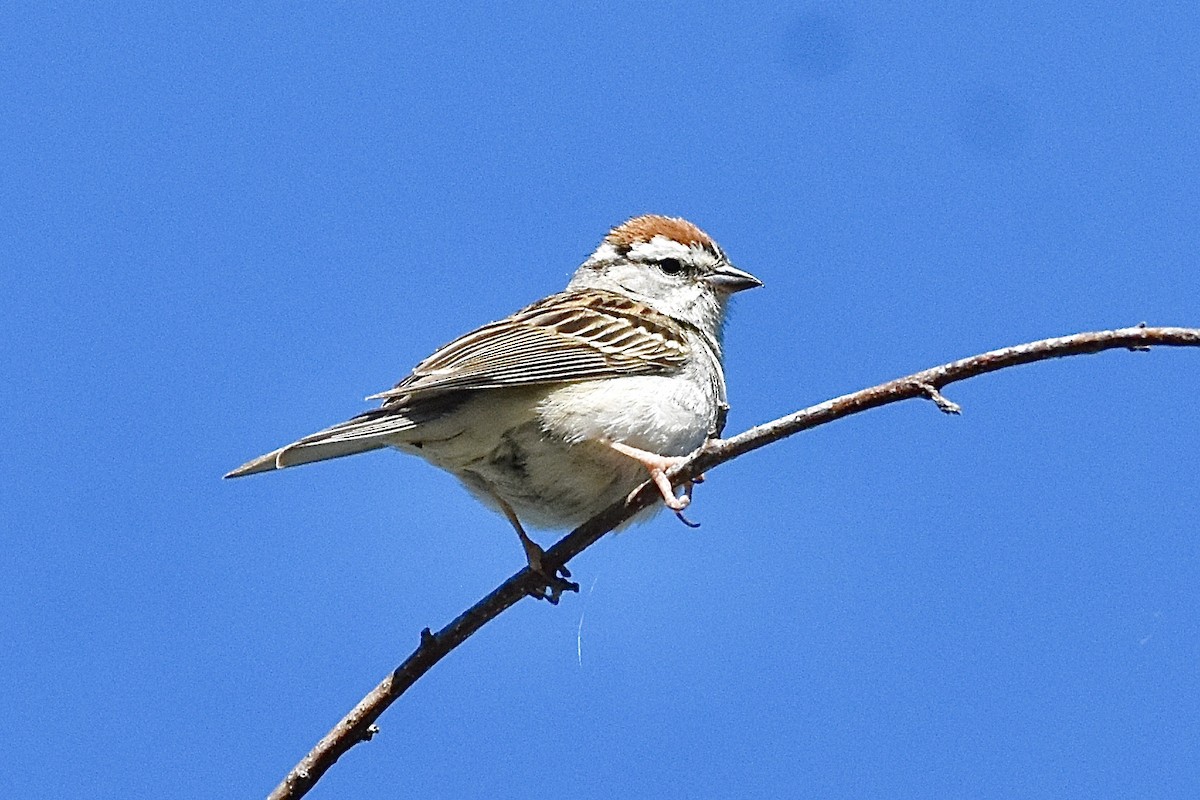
534	554
657	466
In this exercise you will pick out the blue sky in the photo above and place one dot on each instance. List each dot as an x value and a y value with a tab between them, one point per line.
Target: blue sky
225	225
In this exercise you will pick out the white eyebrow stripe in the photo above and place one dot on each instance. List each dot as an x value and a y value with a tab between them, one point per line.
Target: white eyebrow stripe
659	248
605	252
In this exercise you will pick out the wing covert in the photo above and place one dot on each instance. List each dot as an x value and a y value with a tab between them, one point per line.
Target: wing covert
572	336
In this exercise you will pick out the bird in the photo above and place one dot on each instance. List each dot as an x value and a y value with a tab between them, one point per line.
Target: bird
563	408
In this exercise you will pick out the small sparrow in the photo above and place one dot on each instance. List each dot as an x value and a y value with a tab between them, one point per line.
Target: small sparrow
562	409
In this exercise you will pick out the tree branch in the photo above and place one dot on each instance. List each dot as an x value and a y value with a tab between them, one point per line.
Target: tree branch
359	724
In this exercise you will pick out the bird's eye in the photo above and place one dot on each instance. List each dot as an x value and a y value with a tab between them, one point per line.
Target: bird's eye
671	266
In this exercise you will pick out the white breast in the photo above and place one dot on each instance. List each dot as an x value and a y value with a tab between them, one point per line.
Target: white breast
666	414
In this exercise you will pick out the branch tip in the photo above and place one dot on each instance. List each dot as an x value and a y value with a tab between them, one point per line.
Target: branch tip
427	638
930	391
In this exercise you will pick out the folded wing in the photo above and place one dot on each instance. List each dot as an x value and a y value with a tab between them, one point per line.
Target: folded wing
572	336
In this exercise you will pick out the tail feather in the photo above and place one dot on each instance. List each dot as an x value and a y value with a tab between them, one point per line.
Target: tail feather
366	432
296	454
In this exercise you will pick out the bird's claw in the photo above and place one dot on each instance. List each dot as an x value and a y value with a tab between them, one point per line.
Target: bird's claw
551	586
552	582
676	504
687	495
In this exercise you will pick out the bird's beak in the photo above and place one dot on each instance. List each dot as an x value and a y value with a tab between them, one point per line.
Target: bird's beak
730	279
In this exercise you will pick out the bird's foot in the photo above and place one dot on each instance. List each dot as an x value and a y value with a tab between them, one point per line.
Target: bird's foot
553	581
657	466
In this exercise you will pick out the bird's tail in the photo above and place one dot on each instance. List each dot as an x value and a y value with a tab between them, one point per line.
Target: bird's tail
366	432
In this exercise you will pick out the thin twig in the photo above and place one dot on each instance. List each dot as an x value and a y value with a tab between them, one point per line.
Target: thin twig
359	724
939	399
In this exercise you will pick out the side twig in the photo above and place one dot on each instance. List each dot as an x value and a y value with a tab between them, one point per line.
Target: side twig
359	724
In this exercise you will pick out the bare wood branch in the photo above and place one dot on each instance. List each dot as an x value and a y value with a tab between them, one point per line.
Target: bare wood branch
359	724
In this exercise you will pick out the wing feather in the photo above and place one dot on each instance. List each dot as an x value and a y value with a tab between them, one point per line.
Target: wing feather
572	336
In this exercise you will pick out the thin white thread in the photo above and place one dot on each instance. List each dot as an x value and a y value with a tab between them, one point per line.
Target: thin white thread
579	630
